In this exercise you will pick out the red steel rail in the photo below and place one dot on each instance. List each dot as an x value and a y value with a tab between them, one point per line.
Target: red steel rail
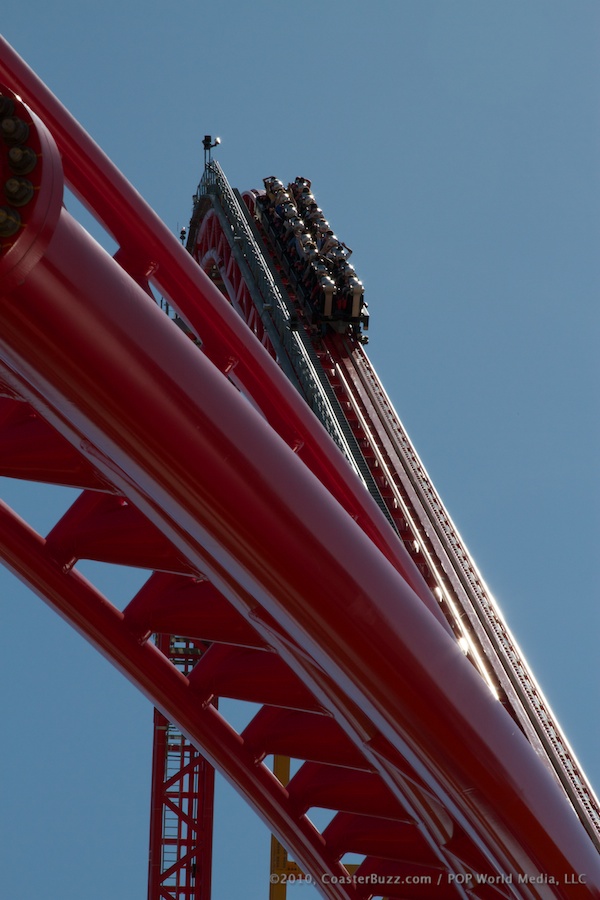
398	477
318	617
419	516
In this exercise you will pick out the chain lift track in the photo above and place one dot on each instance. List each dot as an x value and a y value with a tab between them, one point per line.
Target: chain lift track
207	468
294	349
361	412
462	587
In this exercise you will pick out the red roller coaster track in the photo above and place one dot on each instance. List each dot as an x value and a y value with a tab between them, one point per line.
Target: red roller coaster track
264	545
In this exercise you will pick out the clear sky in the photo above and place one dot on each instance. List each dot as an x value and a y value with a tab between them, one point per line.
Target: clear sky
455	148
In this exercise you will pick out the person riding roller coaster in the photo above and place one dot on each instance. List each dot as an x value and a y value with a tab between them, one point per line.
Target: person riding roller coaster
330	287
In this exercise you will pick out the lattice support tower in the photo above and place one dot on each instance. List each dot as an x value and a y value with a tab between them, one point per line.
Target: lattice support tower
182	800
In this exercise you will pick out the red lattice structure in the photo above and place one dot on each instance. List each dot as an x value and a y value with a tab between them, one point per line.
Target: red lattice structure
182	799
264	548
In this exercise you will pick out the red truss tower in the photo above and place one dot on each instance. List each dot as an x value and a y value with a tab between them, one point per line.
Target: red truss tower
181	820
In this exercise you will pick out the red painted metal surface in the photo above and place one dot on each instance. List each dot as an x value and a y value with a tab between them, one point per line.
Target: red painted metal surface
181	821
214	256
392	695
150	252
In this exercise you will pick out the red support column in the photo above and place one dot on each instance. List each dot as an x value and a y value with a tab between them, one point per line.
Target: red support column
181	811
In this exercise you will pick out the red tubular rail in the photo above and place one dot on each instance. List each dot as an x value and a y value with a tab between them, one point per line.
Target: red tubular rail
149	251
100	623
93	353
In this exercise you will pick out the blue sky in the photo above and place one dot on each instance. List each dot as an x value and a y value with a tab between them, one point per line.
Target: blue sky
455	148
